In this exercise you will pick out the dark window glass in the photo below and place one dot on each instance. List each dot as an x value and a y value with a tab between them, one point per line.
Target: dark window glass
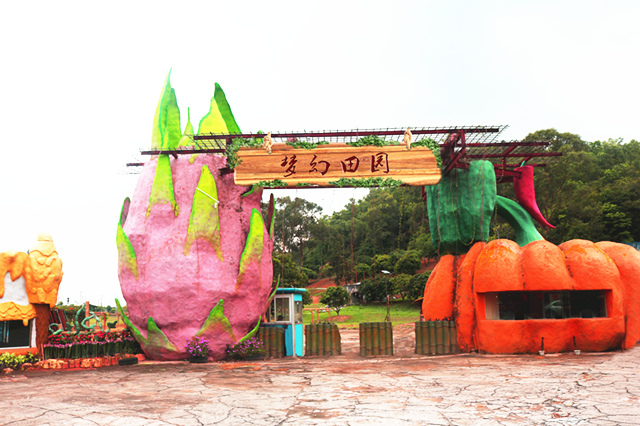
521	305
14	334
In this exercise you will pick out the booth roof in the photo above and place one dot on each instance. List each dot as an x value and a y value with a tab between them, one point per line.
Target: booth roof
291	290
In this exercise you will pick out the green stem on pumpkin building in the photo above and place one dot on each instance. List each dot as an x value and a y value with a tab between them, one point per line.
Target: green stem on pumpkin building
460	207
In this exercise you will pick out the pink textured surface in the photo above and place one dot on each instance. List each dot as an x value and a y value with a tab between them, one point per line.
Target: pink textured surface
179	291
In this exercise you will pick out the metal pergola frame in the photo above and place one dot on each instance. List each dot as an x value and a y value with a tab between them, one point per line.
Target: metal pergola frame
458	145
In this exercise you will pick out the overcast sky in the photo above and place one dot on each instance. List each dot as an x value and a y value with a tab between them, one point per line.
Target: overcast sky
82	80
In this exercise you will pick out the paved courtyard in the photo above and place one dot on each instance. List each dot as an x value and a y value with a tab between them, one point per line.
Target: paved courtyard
602	389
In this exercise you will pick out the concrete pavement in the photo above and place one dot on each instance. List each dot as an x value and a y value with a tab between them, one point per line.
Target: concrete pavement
566	389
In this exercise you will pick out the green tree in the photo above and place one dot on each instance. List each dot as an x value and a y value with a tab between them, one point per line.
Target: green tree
401	284
375	290
383	262
335	298
558	140
362	269
293	224
306	298
423	245
293	275
408	264
417	284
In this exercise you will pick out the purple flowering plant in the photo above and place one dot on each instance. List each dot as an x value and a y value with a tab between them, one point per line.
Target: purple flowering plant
197	346
249	347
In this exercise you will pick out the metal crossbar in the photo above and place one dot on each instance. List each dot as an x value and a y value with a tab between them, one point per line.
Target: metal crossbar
458	145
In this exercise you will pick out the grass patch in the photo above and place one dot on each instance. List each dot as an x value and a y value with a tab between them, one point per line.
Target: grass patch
402	312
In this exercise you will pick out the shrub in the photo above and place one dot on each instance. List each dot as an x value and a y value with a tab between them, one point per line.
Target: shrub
250	347
197	346
335	298
15	362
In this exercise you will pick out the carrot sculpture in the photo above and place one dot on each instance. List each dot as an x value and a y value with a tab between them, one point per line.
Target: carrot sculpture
526	194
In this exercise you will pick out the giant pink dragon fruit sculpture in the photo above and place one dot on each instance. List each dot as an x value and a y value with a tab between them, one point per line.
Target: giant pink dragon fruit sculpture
194	252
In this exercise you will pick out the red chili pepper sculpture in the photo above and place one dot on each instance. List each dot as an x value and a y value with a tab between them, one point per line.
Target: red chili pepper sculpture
526	194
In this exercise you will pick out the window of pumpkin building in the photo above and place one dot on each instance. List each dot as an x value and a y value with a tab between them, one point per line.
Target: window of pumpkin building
523	305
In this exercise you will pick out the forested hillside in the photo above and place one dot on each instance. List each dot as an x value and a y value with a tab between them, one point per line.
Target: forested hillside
592	192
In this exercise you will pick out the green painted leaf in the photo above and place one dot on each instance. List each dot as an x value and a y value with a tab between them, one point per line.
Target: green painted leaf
157	341
166	122
162	189
215	320
253	248
250	334
134	330
126	254
186	140
225	110
213	121
124	211
204	222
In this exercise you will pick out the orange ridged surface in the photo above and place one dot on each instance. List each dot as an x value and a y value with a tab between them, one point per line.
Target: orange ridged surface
12	262
458	285
10	311
499	267
439	292
627	260
464	308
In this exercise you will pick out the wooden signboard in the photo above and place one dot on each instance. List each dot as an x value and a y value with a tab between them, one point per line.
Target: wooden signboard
328	163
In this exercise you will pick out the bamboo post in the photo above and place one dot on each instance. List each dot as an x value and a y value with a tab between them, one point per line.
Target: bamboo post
273	343
432	337
439	338
454	337
314	339
375	334
279	332
425	337
447	337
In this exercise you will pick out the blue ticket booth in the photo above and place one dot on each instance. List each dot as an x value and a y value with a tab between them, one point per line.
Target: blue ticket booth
286	312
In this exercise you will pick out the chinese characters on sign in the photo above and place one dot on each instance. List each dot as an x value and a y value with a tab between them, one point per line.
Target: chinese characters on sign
324	165
379	163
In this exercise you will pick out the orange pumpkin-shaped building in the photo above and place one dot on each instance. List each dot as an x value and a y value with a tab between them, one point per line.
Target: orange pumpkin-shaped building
530	295
510	299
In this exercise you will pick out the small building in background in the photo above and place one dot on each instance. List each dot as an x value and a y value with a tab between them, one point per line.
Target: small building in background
28	290
354	295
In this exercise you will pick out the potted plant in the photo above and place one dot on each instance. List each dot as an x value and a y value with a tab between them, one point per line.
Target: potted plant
247	350
198	349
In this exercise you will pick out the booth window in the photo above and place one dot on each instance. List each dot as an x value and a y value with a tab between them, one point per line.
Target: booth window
522	305
14	334
298	307
280	309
